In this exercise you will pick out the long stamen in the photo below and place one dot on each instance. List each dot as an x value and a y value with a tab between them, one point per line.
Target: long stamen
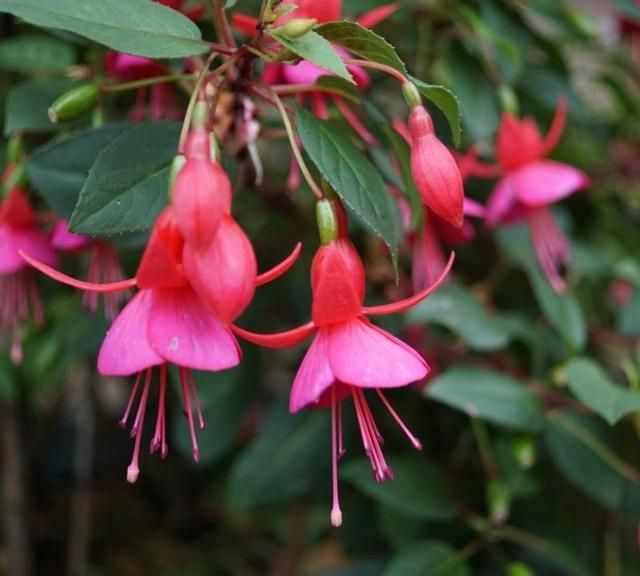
416	443
196	401
336	512
184	378
132	397
133	471
341	450
381	469
158	440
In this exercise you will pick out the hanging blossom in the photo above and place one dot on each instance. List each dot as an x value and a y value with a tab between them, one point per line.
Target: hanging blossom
19	297
349	353
167	322
530	184
104	266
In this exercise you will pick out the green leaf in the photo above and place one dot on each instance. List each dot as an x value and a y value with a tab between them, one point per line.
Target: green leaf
593	387
352	176
127	186
345	89
145	28
448	104
35	52
460	311
629	316
363	42
27	105
284	459
314	48
429	558
59	168
581	448
419	488
489	396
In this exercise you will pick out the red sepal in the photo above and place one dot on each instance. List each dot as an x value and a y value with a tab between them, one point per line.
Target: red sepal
278	340
280	269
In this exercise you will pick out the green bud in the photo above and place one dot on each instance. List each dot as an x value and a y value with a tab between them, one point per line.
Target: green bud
176	165
200	117
519	569
524	450
499	500
411	94
508	99
74	103
327	222
298	27
271	15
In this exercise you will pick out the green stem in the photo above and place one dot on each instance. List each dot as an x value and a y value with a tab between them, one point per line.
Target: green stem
110	88
294	147
484	445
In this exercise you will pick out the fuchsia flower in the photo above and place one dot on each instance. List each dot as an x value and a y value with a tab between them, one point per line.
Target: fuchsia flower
530	184
434	170
176	317
19	298
349	353
104	266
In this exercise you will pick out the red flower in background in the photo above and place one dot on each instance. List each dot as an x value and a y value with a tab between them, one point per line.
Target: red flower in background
19	298
530	184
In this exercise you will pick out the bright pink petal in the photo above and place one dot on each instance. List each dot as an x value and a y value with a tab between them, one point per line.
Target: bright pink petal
36	244
302	73
62	239
184	332
501	201
364	355
10	259
473	208
314	375
545	182
126	348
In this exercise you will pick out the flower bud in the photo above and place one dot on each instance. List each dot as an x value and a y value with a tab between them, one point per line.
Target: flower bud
524	451
224	276
201	193
411	94
337	283
74	103
434	170
298	27
327	222
499	500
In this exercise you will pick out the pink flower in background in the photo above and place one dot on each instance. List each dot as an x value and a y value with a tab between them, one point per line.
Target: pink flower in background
104	266
349	354
530	184
19	297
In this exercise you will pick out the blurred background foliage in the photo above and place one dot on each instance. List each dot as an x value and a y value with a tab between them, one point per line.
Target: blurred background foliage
530	424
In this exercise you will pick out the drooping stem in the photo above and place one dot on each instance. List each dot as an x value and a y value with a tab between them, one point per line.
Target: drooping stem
125	86
399	76
484	446
296	150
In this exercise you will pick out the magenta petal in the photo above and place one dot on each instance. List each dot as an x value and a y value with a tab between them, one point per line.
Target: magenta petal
10	259
302	73
364	355
314	375
501	201
126	348
184	332
545	181
62	239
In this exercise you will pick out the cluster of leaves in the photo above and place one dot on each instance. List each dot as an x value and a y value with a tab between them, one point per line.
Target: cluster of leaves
531	423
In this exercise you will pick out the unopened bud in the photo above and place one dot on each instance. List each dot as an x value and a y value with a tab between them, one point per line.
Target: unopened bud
298	27
74	103
327	222
411	94
524	450
499	500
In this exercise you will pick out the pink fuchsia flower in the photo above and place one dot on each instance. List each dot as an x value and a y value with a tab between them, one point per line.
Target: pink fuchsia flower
530	184
104	266
164	323
19	297
349	353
